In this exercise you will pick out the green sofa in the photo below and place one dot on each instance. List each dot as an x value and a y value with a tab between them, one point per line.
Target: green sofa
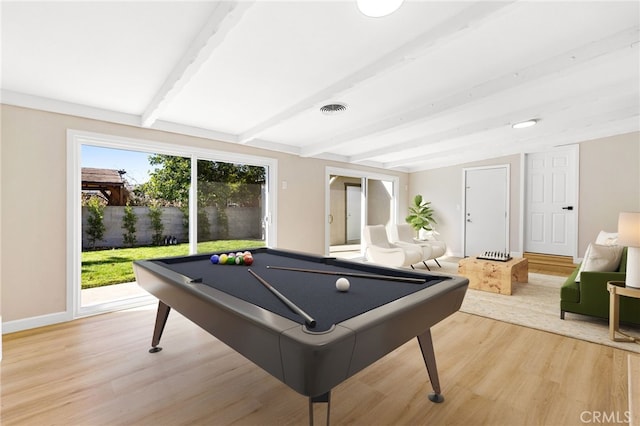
590	295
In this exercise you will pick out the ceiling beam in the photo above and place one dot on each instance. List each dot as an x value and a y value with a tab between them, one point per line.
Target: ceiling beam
466	20
549	68
9	97
225	16
436	142
616	127
619	121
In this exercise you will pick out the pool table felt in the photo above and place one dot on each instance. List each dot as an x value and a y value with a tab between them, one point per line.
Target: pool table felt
316	294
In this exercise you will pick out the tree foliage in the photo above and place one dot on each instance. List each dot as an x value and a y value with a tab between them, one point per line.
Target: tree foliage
220	185
169	182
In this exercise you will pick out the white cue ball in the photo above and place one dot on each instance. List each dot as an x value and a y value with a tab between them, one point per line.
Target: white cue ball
342	284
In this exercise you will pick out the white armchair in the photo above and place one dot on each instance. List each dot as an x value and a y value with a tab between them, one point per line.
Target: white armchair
380	250
404	235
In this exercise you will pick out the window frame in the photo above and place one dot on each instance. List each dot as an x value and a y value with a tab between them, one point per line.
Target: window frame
77	138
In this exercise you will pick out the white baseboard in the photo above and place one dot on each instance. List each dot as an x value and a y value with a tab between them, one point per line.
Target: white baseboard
34	322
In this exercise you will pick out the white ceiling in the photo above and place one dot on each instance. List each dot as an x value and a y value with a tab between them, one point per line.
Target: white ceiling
435	84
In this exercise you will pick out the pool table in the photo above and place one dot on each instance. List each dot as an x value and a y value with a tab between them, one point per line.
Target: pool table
350	330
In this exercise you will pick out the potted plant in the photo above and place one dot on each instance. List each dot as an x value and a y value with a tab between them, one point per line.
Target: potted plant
420	215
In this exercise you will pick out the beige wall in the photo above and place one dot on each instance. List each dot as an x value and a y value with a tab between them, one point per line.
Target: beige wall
609	183
33	215
1	237
443	187
33	196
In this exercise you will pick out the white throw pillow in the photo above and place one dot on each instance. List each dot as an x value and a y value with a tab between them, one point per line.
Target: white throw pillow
600	258
607	238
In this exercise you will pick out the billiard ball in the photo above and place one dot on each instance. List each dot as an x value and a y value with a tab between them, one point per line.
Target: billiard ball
231	259
247	259
239	260
342	284
222	259
215	259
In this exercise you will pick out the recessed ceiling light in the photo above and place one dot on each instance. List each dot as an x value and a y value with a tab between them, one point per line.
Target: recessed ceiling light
332	109
378	8
524	124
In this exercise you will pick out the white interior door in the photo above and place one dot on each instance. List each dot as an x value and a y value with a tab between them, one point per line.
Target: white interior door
551	202
486	193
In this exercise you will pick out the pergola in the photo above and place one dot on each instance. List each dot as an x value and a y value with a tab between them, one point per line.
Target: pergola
110	183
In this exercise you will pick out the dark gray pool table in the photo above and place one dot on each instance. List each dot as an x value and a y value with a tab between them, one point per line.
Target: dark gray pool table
352	330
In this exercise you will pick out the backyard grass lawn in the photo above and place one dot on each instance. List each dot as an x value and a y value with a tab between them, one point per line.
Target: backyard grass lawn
114	266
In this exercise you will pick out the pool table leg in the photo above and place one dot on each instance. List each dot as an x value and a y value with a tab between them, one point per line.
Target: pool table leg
161	320
426	346
324	398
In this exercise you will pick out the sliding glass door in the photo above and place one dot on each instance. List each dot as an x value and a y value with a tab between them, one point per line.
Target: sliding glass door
231	205
132	199
133	206
355	199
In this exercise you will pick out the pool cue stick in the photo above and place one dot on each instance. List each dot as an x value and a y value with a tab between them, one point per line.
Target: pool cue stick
353	274
307	318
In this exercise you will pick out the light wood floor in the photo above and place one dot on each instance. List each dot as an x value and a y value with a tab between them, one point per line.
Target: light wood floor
97	371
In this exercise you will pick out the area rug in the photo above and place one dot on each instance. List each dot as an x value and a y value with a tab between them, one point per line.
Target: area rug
536	304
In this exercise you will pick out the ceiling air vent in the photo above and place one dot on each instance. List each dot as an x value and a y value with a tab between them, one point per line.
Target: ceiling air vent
332	109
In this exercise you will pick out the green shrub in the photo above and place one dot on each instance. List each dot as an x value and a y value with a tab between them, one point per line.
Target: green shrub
95	221
129	221
204	229
155	215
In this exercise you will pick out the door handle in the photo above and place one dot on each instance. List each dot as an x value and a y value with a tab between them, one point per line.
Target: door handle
567	208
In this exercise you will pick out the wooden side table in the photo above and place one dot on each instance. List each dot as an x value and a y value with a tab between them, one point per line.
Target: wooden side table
617	289
493	276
